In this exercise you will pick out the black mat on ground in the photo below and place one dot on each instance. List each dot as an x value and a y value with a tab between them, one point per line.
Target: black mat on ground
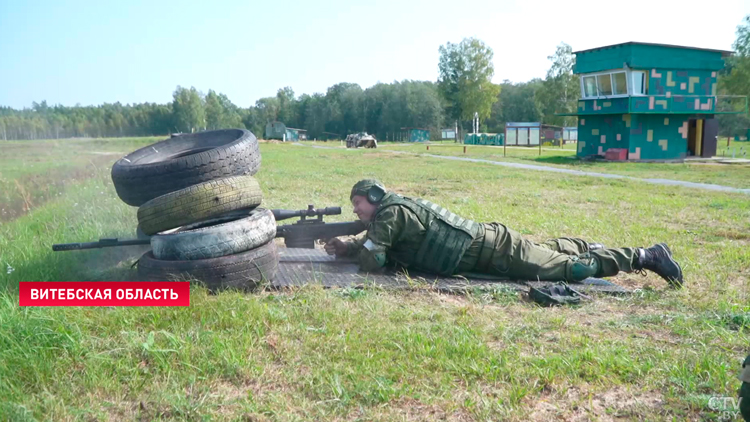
298	267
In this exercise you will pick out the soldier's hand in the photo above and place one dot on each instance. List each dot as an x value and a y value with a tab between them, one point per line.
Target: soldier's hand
335	247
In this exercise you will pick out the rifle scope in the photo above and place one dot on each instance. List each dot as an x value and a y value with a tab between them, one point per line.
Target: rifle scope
311	211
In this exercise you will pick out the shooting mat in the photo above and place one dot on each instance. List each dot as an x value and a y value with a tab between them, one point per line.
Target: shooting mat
298	267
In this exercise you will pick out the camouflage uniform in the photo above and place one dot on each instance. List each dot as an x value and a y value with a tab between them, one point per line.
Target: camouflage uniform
416	234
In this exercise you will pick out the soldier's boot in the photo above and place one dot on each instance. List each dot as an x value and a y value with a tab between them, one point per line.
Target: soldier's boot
658	259
595	246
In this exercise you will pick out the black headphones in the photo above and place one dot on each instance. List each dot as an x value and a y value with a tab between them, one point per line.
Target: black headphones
376	193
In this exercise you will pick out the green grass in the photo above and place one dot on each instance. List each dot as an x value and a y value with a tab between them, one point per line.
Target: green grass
733	175
724	149
314	354
34	172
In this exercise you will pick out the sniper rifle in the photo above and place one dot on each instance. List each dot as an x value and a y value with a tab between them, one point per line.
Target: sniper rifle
301	234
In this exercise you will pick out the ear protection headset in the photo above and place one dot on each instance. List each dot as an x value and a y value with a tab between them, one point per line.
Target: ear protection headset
376	193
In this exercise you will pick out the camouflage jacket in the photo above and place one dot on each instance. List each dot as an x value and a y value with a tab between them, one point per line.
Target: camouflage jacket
398	233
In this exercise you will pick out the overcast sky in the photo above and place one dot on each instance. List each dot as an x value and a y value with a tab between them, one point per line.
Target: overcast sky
91	52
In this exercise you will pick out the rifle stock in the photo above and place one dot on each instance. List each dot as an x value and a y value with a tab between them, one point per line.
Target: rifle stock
303	235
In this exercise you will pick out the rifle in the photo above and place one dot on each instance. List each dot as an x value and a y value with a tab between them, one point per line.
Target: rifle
101	243
301	234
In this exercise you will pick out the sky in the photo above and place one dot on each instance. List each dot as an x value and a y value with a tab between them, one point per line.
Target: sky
134	51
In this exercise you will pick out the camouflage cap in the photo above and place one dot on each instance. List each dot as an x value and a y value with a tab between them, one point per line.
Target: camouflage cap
363	187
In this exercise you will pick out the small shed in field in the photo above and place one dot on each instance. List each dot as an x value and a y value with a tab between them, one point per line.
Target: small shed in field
278	130
295	134
414	134
275	130
530	133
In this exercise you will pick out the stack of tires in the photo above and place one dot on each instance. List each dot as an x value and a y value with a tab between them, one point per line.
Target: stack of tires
198	200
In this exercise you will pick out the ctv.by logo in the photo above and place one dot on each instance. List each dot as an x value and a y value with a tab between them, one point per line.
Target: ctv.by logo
727	407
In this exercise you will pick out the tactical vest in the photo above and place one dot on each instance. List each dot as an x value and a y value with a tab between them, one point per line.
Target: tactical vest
447	238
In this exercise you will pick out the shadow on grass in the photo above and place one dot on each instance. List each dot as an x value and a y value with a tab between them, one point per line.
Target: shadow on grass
560	159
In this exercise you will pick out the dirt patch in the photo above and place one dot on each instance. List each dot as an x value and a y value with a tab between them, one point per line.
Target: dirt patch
453	300
116	410
635	281
660	336
227	393
732	234
578	404
413	410
227	397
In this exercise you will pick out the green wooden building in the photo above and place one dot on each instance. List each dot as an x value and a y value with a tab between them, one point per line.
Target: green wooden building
414	134
277	130
656	101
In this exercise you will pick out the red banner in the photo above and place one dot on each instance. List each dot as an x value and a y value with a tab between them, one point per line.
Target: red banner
104	293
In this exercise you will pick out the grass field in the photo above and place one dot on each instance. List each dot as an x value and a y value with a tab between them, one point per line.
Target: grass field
734	175
314	354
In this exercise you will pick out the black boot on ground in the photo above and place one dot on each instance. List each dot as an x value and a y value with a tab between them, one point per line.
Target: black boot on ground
658	259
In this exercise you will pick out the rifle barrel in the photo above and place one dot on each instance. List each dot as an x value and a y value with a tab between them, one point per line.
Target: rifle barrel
101	243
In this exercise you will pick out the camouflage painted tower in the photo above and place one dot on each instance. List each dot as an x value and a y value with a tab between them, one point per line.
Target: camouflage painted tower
650	101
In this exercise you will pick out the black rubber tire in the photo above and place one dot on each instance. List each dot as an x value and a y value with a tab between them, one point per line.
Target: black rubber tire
182	161
199	202
243	271
216	237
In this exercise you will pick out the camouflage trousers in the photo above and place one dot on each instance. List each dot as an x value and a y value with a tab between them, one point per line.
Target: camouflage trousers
503	252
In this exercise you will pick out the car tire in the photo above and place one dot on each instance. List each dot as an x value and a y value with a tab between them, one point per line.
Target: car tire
242	271
199	202
182	161
216	237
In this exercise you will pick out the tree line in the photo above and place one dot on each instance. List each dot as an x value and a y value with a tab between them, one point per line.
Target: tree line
734	79
382	110
464	86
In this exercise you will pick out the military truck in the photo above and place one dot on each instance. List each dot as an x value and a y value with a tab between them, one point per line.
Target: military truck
362	139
